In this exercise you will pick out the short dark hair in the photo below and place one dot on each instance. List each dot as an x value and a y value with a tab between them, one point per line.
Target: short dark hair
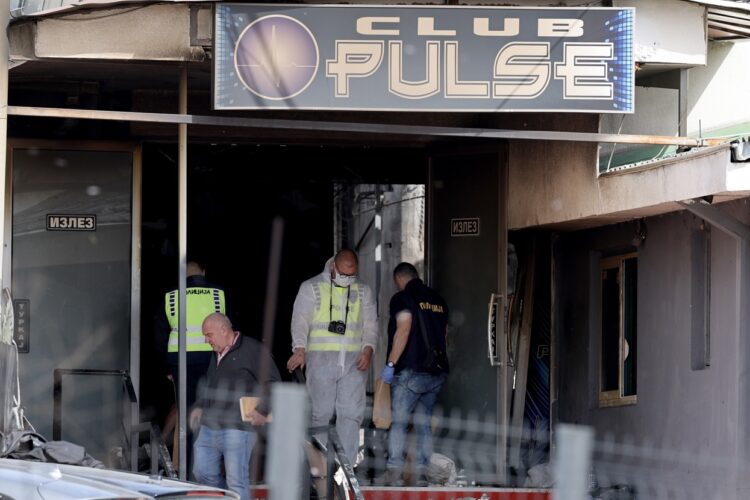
196	259
406	270
198	263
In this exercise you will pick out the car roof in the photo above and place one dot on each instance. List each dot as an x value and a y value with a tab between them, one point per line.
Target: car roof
26	479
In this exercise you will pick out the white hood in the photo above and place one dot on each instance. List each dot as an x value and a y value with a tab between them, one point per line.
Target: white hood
327	268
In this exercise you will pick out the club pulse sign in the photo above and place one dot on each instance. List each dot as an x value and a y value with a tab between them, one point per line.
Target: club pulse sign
455	58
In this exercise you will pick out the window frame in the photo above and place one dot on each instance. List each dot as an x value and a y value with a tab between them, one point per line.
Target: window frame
615	397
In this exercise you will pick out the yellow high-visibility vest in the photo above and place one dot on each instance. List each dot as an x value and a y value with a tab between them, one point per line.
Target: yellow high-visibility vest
201	301
320	339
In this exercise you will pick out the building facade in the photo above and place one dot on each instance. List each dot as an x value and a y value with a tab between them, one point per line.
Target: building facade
639	244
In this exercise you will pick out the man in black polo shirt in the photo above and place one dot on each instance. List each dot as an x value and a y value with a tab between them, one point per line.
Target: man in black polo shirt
418	317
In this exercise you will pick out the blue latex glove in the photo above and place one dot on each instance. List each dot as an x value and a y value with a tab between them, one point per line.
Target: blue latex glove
387	375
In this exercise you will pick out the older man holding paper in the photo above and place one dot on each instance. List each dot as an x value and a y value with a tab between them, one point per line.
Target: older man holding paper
233	374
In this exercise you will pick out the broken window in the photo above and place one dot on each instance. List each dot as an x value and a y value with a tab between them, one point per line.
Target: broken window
619	291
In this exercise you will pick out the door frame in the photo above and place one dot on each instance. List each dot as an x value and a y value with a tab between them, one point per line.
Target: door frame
135	233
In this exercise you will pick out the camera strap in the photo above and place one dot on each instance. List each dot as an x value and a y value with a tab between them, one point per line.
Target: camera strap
330	303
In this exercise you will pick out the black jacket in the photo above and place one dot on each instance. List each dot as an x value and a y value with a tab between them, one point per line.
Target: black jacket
419	299
237	375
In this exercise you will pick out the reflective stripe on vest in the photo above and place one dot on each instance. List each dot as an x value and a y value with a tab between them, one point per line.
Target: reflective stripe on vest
201	302
320	339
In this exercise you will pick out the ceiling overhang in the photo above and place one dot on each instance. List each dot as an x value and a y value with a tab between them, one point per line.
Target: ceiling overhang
726	20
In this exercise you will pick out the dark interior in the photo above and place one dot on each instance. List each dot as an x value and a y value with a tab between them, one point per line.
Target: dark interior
234	193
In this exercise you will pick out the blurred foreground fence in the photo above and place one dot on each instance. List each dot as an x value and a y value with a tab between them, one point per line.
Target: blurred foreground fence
577	465
11	413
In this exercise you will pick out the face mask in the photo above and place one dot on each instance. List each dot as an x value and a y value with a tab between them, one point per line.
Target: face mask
343	281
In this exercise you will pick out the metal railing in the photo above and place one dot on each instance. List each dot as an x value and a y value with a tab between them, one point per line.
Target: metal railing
336	458
131	430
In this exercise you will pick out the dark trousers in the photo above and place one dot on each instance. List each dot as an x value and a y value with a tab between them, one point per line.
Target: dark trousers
195	370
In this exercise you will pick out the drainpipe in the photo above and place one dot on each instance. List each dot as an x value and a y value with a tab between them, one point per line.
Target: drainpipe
683	102
182	249
741	234
4	59
378	243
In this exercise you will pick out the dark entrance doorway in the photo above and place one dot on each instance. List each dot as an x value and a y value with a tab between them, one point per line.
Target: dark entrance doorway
234	192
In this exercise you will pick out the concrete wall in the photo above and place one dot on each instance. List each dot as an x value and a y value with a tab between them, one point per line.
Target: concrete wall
546	177
717	93
557	182
668	31
656	113
678	408
152	32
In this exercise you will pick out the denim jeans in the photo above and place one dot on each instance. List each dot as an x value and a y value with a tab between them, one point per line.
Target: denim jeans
412	392
235	446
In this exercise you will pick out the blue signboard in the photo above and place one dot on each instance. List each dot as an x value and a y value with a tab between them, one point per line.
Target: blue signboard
401	58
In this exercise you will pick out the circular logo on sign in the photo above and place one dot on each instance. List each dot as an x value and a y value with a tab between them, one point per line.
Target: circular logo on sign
276	57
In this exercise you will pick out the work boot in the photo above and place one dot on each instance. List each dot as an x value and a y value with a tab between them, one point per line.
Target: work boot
391	477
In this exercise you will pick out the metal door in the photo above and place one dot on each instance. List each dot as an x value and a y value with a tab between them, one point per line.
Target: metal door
71	281
467	245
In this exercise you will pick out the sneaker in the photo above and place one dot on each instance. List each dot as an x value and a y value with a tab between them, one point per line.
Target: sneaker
422	480
391	477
